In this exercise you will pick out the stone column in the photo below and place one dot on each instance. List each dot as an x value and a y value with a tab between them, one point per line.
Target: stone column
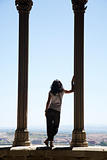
79	135
21	133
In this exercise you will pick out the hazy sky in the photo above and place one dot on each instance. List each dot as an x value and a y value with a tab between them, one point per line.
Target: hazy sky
51	57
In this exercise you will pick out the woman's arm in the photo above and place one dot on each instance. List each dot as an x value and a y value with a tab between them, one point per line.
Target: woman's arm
68	91
48	102
72	87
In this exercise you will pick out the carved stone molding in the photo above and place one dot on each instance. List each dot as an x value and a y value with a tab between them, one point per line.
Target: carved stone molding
79	5
21	138
23	6
79	139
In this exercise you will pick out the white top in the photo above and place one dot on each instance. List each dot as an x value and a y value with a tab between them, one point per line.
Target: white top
56	101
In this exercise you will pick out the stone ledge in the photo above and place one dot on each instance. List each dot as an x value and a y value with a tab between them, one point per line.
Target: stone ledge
41	147
40	152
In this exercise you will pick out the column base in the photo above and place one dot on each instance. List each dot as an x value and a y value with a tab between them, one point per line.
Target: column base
21	138
79	139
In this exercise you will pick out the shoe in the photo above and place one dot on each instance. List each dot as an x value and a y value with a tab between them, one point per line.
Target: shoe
46	142
51	144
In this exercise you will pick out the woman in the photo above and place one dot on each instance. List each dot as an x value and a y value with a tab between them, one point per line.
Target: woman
53	109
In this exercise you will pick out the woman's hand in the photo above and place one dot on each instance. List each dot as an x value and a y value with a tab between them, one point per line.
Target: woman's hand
73	83
73	79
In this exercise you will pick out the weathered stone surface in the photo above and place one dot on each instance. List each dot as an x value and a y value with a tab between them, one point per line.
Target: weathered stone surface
79	5
21	133
24	5
57	153
78	134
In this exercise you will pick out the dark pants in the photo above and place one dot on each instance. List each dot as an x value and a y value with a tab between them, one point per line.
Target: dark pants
53	119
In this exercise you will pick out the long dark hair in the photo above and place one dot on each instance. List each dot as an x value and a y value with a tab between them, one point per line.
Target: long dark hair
56	87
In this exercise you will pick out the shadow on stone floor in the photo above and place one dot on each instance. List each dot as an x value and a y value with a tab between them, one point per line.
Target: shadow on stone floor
54	148
5	147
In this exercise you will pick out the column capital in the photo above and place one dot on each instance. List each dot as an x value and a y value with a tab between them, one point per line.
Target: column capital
23	6
79	5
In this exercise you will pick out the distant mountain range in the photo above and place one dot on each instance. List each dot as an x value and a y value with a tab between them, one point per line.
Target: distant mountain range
63	128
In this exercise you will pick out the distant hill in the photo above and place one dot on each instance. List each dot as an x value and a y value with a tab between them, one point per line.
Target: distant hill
95	136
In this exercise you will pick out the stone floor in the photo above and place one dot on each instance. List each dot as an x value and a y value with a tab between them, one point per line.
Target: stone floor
57	153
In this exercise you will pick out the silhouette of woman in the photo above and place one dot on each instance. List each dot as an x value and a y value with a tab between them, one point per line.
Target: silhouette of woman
53	109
